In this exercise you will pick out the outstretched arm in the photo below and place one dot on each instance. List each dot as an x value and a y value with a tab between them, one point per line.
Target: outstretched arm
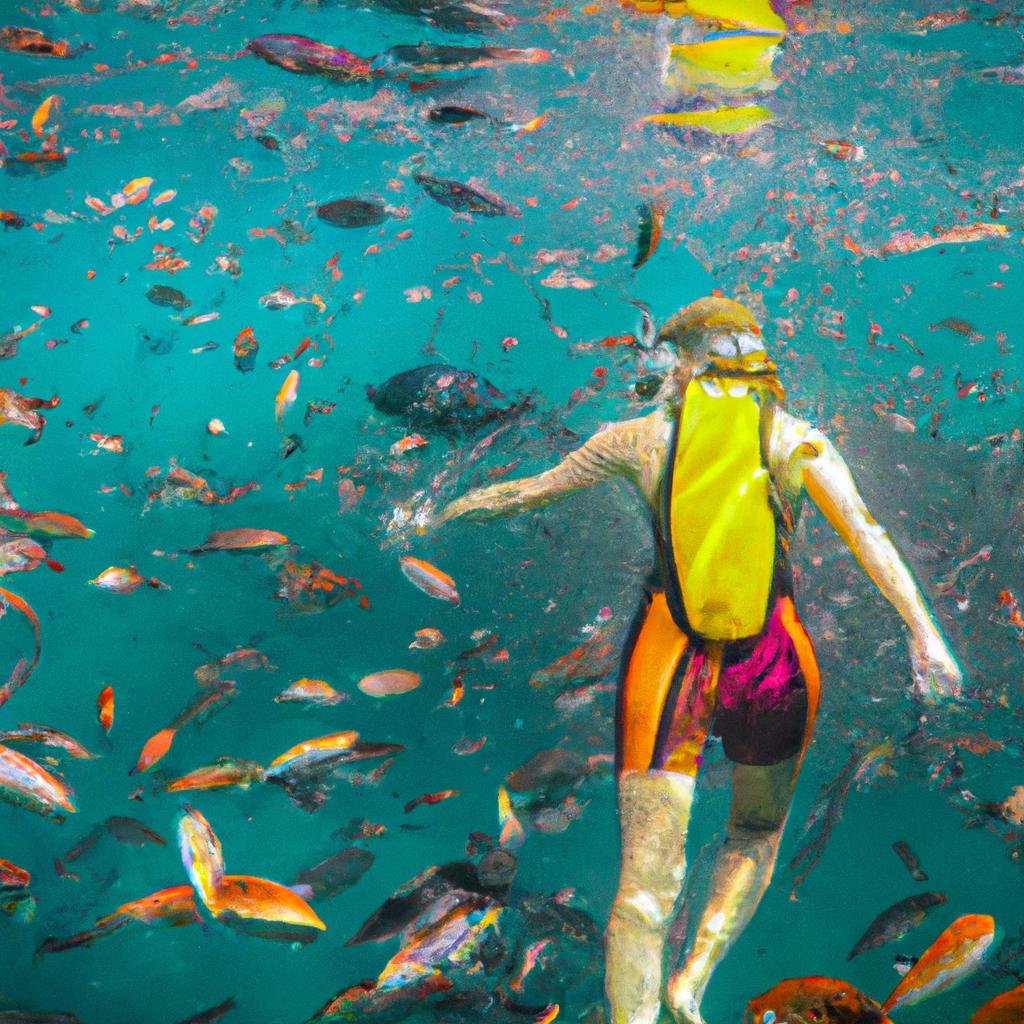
607	454
831	486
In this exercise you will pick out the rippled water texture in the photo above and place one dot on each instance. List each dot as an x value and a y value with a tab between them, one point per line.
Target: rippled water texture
184	214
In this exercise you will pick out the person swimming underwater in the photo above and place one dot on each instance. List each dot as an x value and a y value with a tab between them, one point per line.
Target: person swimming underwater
717	645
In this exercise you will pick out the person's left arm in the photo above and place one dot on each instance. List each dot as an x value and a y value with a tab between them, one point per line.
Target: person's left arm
830	485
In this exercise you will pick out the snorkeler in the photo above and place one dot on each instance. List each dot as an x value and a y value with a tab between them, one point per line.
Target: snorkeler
717	645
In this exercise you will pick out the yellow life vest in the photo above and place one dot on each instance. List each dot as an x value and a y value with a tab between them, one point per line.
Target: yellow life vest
721	524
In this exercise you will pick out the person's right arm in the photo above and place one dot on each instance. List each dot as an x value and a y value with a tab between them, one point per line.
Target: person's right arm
609	453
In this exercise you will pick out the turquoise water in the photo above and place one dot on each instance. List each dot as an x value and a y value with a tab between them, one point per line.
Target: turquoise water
768	217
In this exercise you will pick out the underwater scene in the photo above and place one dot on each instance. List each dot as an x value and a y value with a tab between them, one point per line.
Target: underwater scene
511	511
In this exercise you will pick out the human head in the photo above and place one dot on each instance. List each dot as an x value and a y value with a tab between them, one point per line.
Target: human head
717	335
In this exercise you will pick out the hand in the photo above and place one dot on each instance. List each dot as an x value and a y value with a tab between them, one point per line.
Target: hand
937	676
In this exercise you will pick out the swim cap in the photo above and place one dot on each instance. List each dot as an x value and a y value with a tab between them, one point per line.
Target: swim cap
693	324
721	332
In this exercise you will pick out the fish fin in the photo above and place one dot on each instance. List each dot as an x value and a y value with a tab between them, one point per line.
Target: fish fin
7	503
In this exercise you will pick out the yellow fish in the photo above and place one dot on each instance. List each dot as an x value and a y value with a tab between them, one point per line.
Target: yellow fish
721	121
286	396
734	61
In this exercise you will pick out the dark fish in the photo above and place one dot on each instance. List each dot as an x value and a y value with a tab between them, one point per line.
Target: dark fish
352	213
126	830
413	899
163	295
550	773
456	115
464	198
17	1017
957	326
652	217
897	921
20	1017
308	57
907	855
649	385
826	813
440	396
430	60
214	1013
337	873
38	164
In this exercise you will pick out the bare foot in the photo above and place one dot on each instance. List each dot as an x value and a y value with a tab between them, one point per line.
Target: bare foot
682	1003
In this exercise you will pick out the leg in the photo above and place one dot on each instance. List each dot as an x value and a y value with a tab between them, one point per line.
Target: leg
743	869
655	798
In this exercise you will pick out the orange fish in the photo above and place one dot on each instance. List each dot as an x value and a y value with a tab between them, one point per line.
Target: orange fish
431	798
116	580
246	348
104	709
427	639
172	908
389	683
407	444
957	952
228	771
13	877
24	411
253	905
310	751
29	785
26	732
137	190
1007	1008
24	668
49	524
286	395
32	41
951	957
241	539
154	749
311	691
428	578
39	118
109	442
